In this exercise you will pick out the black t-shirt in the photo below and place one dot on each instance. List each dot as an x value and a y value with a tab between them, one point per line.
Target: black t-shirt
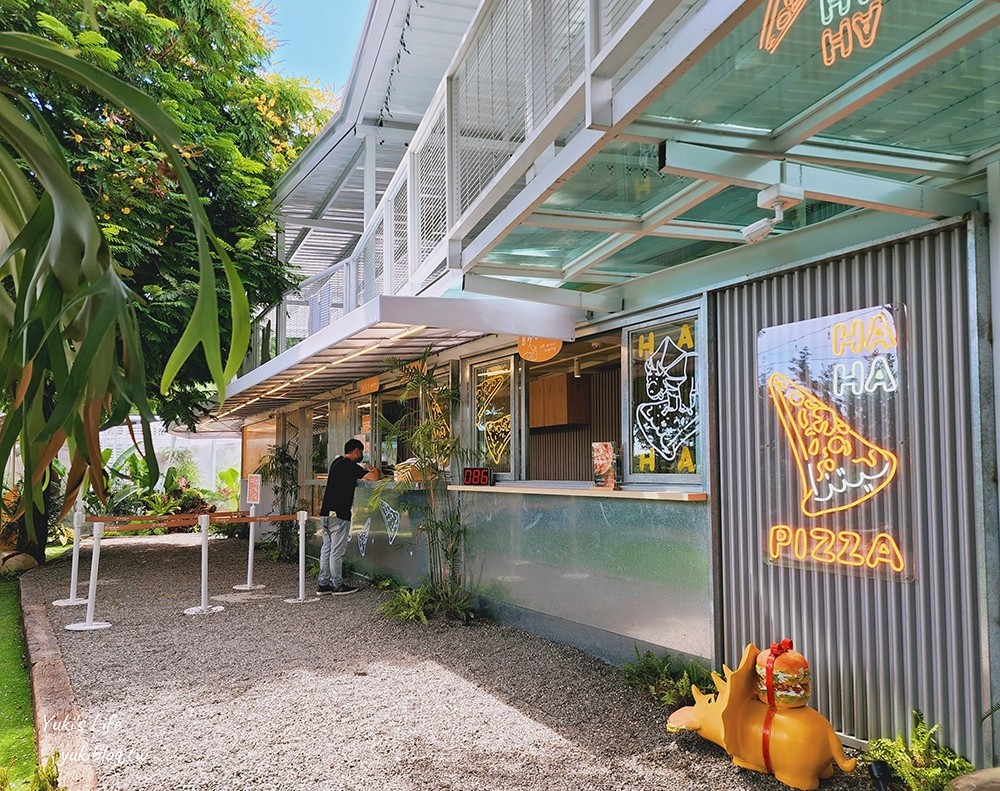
340	482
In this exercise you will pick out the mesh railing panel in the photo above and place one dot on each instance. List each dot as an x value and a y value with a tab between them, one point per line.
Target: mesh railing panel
296	321
400	259
432	185
524	57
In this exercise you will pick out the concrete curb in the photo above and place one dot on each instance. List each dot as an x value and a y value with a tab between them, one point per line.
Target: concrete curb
58	727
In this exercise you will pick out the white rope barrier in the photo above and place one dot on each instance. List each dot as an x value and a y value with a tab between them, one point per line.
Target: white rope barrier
302	563
249	584
90	624
203	522
74	576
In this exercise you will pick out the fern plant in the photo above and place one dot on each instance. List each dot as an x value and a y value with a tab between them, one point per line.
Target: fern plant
923	765
667	679
408	604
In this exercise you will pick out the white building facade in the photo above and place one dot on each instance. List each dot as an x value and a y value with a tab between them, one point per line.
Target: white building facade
745	243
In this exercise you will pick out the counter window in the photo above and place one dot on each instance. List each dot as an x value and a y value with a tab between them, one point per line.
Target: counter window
492	383
664	399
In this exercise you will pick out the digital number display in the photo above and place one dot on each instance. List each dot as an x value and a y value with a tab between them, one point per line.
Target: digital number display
477	476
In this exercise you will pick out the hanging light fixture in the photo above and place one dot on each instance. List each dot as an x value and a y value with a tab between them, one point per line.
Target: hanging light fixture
576	367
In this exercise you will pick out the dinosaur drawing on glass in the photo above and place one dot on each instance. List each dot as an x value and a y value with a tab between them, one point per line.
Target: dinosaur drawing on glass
668	421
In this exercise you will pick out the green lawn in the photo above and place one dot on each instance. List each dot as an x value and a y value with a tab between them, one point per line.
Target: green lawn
17	728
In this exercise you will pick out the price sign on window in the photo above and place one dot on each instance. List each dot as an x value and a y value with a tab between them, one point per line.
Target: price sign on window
477	476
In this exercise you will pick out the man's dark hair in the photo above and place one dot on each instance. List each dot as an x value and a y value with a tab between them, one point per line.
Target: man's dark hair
352	445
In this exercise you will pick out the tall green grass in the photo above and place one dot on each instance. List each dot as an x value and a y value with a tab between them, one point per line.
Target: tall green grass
17	727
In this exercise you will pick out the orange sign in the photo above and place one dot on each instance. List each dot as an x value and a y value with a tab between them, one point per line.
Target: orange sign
369	385
253	489
538	350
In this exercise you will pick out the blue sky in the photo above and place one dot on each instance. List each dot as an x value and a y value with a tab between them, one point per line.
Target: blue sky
317	38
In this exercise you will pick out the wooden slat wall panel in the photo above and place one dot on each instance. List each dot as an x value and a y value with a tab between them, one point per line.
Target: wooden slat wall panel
563	454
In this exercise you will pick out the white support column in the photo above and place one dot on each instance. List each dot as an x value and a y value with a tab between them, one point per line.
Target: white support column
598	88
72	600
95	561
371	147
991	541
302	516
204	608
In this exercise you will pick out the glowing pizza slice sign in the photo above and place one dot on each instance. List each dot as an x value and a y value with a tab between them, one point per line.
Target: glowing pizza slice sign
838	467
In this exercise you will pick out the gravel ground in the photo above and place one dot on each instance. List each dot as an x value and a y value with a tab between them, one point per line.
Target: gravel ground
271	695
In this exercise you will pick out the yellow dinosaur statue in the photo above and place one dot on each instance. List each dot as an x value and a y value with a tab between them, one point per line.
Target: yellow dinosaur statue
801	744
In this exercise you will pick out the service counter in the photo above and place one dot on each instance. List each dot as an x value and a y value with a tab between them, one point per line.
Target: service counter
383	538
605	570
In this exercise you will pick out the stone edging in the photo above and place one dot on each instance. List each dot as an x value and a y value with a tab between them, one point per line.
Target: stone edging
58	727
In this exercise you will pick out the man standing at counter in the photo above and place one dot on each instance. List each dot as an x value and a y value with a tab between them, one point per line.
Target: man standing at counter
338	499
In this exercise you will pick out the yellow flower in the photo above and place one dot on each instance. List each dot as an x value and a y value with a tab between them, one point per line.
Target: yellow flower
126	148
159	243
107	143
77	138
126	210
106	216
80	168
138	180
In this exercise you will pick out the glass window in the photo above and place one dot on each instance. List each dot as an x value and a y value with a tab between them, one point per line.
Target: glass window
664	409
361	417
320	439
492	388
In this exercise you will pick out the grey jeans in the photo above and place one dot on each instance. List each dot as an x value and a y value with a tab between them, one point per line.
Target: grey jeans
331	556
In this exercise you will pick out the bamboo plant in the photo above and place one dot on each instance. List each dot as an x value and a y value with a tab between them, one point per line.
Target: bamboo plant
436	451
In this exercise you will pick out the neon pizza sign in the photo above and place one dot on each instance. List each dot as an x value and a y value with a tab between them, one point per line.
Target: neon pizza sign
831	387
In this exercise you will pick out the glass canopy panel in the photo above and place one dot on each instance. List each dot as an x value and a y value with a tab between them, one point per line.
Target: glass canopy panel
741	84
653	253
542	247
622	180
951	107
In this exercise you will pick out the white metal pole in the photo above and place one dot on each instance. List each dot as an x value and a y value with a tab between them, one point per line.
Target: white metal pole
95	560
249	584
203	521
302	515
74	575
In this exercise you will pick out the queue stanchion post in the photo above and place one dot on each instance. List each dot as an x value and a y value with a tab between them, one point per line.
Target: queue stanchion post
95	559
74	575
302	516
249	586
203	522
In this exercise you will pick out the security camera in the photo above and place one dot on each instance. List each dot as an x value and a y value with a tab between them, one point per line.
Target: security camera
758	230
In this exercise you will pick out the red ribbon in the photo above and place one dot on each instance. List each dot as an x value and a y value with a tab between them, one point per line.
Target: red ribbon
777	649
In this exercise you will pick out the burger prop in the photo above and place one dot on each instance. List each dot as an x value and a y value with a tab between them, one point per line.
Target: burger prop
761	717
783	676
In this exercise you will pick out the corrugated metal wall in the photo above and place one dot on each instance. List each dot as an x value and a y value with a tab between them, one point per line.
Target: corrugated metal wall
878	647
563	453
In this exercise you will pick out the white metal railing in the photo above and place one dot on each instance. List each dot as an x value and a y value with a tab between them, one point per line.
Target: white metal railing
520	61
